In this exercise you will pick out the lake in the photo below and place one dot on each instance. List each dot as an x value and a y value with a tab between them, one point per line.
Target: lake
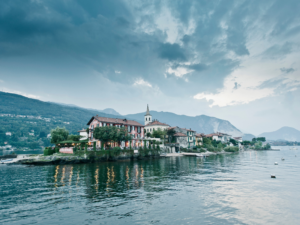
224	189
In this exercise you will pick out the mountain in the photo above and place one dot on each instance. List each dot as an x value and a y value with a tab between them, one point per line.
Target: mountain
201	124
284	133
110	111
248	137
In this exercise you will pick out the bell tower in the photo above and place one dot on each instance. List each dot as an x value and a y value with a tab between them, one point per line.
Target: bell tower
148	117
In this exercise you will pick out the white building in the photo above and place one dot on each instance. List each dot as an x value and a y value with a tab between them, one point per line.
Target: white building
220	137
8	133
150	125
83	134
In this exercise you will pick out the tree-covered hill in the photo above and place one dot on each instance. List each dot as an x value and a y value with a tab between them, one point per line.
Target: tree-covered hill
40	118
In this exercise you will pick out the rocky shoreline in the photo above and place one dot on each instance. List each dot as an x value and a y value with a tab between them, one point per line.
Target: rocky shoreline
57	159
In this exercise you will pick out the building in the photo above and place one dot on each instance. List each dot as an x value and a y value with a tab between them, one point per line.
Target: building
135	129
83	134
186	138
8	133
224	138
150	125
148	117
199	139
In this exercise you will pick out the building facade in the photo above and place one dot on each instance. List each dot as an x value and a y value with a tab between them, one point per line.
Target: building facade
186	138
135	129
224	138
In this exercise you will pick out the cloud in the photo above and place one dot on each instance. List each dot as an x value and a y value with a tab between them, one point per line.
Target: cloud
1	81
117	71
236	86
287	70
171	52
141	82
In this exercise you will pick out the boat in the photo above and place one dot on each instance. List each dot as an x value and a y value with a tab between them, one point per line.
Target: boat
6	161
273	176
282	159
293	148
199	155
276	163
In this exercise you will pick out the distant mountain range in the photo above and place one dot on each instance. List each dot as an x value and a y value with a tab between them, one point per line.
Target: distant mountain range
201	124
284	133
78	117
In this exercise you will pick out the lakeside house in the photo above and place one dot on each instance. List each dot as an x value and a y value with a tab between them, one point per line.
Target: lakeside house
8	133
134	128
224	138
150	125
199	139
183	138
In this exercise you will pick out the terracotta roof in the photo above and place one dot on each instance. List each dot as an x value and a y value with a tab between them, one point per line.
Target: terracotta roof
237	138
179	135
200	135
170	128
187	129
156	123
116	121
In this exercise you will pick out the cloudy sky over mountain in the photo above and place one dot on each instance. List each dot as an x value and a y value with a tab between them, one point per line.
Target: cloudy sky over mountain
236	60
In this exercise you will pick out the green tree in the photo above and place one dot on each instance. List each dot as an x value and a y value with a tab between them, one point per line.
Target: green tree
246	143
110	133
170	133
148	134
234	142
262	139
206	141
73	137
59	134
159	133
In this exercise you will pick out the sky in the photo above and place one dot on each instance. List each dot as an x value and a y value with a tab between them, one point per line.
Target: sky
234	60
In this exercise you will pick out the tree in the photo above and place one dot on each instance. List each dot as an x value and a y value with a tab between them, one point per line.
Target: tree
159	133
59	134
206	141
253	139
74	137
148	134
246	143
262	139
234	142
110	133
170	134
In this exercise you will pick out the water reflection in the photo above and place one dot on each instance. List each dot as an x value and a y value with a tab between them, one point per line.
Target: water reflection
226	189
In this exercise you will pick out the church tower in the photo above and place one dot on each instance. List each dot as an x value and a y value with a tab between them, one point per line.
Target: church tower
148	117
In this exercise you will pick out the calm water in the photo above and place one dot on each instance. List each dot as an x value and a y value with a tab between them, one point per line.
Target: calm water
229	189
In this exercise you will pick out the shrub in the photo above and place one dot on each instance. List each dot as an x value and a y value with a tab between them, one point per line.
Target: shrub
56	149
231	149
48	151
210	148
202	150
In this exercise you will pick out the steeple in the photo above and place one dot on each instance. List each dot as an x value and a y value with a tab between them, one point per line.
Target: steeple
147	113
148	117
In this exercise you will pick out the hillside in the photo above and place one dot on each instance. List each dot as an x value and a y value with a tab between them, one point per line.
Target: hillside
201	124
284	133
40	118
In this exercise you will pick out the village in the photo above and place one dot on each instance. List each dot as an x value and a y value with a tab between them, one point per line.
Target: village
153	133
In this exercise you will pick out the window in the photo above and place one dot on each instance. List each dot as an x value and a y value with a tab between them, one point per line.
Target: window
92	127
92	135
132	127
128	128
146	118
